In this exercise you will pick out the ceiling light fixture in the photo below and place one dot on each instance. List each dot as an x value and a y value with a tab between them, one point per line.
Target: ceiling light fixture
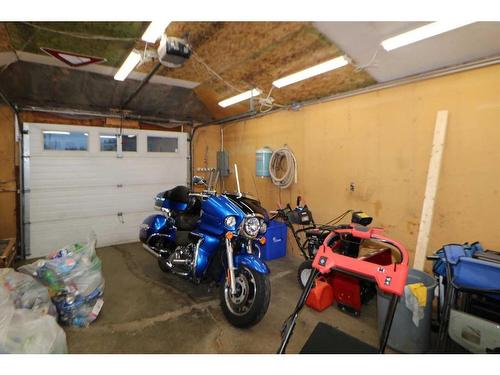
154	31
420	33
55	132
130	63
240	97
315	70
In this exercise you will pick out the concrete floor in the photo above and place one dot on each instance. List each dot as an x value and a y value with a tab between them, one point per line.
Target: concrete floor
148	311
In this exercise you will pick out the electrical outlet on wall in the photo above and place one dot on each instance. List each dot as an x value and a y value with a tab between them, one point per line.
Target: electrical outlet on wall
352	187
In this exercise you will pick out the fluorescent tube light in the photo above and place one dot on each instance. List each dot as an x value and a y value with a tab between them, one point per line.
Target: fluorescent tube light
55	132
130	63
108	136
315	70
420	33
154	31
239	98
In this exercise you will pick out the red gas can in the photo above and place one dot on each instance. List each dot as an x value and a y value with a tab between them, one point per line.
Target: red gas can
321	295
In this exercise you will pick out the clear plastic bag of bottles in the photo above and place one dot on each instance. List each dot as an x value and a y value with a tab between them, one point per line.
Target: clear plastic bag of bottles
26	330
74	278
26	292
6	312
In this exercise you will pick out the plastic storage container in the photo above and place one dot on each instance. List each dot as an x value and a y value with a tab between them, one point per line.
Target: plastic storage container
262	159
473	333
275	246
405	337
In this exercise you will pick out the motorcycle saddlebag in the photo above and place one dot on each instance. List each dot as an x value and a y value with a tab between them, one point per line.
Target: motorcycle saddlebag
321	295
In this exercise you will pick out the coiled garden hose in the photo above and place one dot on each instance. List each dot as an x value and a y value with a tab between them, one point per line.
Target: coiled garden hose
283	160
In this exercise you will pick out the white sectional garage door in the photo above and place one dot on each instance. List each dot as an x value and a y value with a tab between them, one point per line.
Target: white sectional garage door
79	179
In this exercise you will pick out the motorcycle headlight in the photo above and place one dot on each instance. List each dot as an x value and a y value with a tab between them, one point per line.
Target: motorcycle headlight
263	227
252	226
230	222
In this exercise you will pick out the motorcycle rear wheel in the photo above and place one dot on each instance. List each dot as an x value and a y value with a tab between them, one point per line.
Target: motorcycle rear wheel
249	305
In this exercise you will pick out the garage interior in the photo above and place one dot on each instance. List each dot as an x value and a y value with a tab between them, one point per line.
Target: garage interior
408	136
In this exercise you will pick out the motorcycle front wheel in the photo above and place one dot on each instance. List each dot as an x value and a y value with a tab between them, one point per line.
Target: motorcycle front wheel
250	302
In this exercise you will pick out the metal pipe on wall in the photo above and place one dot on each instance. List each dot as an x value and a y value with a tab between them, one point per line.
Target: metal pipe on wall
20	199
85	113
411	79
379	86
240	116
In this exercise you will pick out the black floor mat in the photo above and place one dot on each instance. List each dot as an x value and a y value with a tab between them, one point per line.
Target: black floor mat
328	340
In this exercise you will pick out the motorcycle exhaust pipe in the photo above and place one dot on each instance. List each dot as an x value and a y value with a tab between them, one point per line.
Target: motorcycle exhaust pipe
150	250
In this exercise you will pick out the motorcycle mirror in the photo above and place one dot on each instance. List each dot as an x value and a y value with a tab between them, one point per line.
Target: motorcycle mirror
197	180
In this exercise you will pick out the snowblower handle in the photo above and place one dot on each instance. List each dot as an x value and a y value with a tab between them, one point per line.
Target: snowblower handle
389	278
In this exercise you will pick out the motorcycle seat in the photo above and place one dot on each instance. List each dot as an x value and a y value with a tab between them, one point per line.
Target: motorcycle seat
188	220
179	194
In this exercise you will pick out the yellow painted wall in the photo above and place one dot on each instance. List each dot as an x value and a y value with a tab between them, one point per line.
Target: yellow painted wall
8	162
381	141
206	142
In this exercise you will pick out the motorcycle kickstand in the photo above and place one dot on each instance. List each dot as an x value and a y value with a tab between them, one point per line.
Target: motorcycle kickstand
289	324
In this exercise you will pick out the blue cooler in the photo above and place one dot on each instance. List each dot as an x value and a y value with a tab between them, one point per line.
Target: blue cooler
275	246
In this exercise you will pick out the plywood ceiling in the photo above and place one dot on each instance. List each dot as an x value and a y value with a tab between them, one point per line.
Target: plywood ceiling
244	54
254	54
110	40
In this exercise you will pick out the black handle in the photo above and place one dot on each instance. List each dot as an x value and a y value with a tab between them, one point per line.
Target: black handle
289	325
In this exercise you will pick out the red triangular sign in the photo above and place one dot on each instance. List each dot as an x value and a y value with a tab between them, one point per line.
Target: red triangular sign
71	58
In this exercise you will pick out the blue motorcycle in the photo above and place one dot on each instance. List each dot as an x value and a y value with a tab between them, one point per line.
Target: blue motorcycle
207	237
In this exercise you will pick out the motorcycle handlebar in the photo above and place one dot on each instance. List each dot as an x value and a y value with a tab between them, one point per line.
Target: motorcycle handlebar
199	195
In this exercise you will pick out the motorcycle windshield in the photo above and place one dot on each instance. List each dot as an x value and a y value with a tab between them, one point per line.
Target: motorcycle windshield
248	205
